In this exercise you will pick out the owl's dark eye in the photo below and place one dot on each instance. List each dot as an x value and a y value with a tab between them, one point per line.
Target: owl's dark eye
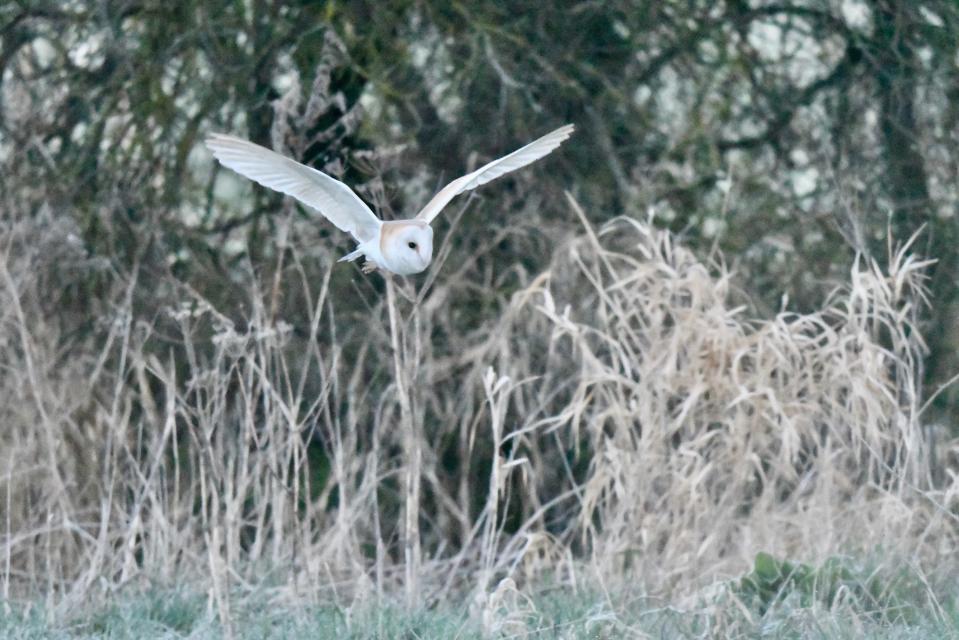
412	245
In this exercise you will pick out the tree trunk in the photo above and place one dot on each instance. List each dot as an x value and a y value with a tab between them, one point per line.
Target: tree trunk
897	70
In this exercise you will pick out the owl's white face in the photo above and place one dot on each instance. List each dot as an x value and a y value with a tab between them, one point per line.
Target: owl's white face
406	246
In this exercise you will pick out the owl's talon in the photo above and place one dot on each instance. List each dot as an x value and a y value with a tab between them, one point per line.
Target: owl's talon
368	267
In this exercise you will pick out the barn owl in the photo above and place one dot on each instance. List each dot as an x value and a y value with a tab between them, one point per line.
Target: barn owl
403	247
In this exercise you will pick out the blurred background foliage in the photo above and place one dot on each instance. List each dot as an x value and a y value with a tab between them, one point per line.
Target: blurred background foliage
791	135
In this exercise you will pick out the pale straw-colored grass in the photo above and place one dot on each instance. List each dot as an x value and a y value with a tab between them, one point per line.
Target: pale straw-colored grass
620	420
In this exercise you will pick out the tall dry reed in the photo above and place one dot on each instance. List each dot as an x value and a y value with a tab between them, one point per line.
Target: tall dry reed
618	419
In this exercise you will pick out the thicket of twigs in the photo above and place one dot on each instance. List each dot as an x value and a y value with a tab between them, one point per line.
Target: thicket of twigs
622	418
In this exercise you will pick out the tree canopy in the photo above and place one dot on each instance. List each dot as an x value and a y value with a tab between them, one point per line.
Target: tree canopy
793	135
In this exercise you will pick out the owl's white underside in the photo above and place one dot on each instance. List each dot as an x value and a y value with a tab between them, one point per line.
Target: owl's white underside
390	248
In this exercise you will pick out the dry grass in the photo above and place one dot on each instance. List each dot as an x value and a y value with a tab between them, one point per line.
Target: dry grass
619	422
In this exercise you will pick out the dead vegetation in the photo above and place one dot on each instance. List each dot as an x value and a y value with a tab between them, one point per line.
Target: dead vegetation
621	420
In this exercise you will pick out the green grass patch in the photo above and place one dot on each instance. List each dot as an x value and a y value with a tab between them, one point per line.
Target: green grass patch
777	598
886	596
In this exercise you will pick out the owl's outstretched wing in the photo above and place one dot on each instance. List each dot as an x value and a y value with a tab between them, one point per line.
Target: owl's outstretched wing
333	199
519	158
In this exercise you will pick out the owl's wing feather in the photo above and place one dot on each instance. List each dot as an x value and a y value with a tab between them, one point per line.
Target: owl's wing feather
519	158
333	199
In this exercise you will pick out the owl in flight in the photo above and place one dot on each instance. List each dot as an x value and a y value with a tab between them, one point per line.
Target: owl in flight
403	247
